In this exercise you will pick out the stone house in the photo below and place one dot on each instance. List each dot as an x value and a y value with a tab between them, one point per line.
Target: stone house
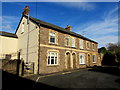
52	48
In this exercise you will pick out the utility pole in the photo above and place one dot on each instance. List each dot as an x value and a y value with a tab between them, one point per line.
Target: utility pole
26	13
27	39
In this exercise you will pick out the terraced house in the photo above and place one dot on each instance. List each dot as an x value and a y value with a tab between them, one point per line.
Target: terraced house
52	48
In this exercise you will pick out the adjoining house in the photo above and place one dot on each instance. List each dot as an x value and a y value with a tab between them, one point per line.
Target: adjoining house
52	48
8	45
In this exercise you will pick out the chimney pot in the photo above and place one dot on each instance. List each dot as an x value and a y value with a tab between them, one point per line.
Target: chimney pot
68	28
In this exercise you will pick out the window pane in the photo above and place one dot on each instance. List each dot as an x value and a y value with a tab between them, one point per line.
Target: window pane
81	44
52	54
94	59
52	40
73	42
93	46
55	60
82	59
52	37
52	60
49	60
87	45
67	40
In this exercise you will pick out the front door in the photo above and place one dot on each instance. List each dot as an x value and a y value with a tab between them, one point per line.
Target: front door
68	60
88	60
74	60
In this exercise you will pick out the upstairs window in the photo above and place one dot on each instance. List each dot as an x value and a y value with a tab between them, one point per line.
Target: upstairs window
88	45
73	42
52	37
82	59
93	46
67	41
52	58
22	30
81	44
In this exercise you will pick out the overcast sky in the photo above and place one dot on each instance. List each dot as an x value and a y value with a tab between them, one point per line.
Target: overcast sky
95	20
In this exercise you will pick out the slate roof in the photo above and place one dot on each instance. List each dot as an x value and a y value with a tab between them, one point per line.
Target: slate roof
6	34
54	27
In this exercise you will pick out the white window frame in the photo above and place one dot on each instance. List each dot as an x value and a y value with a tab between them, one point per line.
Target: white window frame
73	41
67	37
82	61
81	44
94	58
54	55
52	34
87	44
22	30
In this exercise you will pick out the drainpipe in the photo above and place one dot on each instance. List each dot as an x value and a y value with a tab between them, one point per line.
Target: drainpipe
39	49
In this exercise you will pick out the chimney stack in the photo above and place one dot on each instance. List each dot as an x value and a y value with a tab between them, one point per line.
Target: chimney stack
26	11
68	28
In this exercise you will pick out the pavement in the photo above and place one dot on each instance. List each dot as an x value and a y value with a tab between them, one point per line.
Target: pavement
90	78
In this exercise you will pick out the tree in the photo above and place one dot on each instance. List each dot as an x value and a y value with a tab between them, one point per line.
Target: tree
115	50
102	50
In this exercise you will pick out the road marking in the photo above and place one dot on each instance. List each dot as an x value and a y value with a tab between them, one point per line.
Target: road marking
66	73
36	82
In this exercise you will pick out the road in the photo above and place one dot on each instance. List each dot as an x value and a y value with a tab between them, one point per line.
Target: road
82	79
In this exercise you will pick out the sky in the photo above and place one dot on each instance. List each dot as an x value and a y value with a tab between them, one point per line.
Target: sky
95	20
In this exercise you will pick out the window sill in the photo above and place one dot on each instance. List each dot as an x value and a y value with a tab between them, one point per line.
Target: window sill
53	43
94	62
82	63
81	48
54	65
73	47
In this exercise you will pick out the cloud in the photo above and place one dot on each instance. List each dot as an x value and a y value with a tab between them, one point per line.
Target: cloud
80	5
104	31
9	23
9	19
107	39
7	27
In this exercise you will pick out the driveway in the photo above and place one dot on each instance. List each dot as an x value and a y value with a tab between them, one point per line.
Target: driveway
85	78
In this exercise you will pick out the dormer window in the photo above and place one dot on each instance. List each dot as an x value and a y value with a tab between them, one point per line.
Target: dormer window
22	31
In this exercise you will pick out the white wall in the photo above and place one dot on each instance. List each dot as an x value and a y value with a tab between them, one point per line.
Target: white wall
33	42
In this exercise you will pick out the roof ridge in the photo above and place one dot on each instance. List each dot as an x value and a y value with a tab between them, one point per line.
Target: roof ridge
8	34
58	28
